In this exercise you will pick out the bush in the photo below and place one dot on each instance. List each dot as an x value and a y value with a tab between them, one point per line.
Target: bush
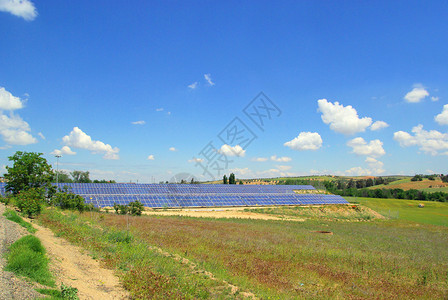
134	208
68	292
68	200
30	202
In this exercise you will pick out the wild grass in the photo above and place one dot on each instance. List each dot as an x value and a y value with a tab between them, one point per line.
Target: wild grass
13	216
26	257
273	259
328	212
143	270
435	213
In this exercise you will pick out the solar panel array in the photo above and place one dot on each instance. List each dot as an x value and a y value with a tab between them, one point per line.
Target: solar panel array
196	195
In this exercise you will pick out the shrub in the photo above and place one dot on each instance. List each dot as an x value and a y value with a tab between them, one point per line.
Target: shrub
68	292
68	200
135	208
30	202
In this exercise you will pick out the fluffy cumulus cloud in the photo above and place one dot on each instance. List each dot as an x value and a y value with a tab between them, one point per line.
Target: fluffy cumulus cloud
305	141
141	122
64	151
375	165
434	98
260	159
342	119
8	101
378	125
430	142
417	94
442	118
20	8
228	150
13	129
80	140
360	147
173	149
208	78
151	157
280	159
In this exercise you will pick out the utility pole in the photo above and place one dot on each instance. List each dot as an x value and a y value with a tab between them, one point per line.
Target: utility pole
57	168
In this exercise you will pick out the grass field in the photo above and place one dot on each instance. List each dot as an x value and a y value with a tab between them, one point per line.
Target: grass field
407	184
272	259
435	213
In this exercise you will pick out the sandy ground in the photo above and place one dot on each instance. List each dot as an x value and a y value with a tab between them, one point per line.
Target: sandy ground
231	212
79	270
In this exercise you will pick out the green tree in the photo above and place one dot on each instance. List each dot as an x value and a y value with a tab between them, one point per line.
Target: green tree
241	182
232	179
81	177
224	179
63	177
29	170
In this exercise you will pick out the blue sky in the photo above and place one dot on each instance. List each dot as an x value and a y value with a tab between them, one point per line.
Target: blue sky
142	90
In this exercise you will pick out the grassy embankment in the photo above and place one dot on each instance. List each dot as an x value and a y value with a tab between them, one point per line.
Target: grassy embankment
13	216
277	259
435	213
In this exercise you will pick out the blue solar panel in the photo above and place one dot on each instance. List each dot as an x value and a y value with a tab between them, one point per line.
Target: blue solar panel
195	195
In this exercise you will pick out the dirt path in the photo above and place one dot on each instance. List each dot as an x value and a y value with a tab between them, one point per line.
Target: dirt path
78	270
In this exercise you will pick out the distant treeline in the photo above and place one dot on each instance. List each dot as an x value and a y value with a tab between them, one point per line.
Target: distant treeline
358	188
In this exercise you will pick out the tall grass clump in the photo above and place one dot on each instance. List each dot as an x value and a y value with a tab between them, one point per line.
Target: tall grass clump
27	258
13	216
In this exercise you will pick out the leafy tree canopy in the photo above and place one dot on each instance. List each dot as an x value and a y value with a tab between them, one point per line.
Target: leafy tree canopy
29	170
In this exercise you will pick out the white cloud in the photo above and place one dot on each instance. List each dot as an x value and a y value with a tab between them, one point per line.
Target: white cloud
375	165
434	98
241	171
442	118
173	149
159	109
64	151
305	141
8	101
431	142
41	135
360	147
342	119
379	125
357	171
80	140
15	131
280	159
208	78
196	160
151	157
417	94
139	122
283	168
194	85
232	151
259	159
20	8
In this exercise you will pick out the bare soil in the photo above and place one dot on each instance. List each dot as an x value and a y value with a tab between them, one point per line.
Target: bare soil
231	212
71	267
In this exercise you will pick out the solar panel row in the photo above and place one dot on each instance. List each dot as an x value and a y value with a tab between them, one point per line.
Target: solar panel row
136	189
211	200
196	195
